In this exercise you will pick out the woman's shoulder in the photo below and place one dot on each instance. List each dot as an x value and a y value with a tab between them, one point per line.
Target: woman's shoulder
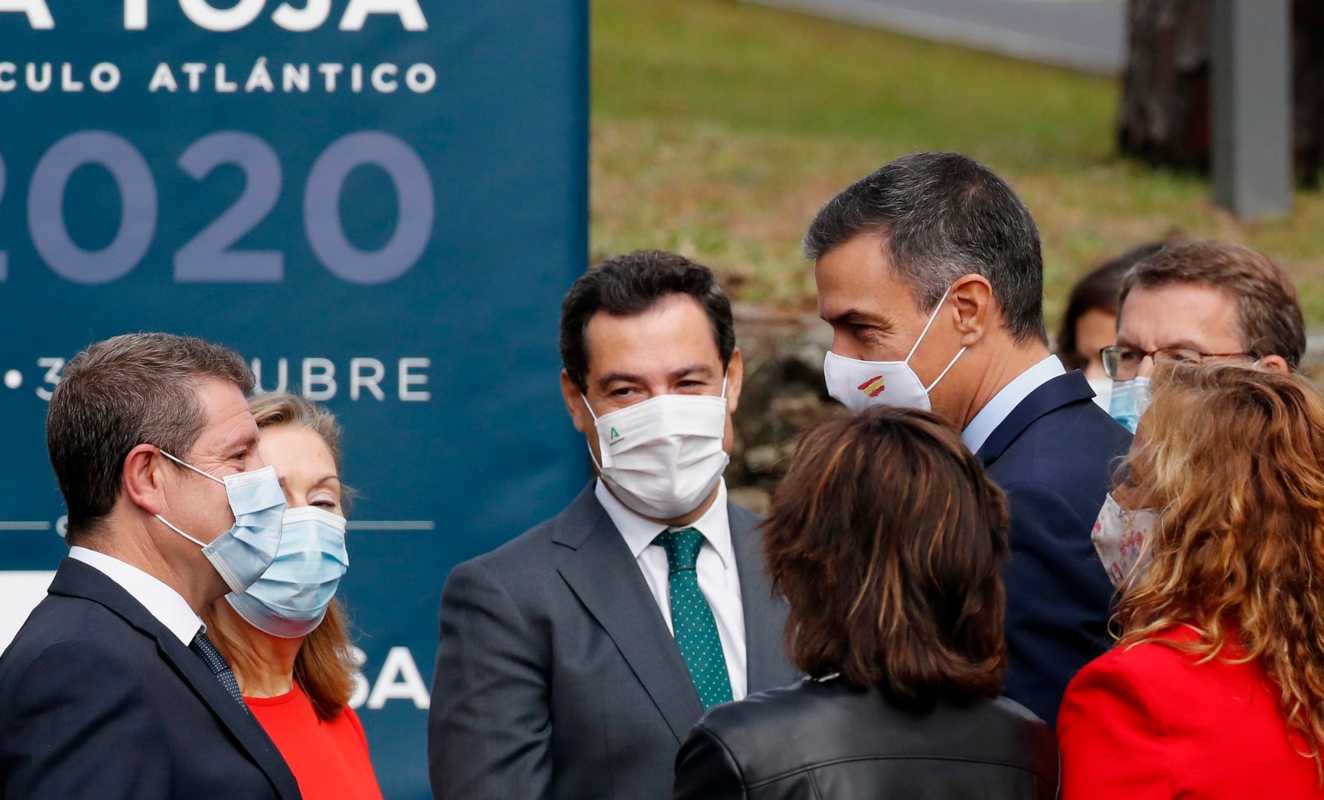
1170	652
1163	671
832	720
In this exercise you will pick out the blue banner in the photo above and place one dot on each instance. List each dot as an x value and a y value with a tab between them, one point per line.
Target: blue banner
378	202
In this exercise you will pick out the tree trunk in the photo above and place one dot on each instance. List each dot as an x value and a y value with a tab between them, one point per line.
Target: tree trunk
1165	110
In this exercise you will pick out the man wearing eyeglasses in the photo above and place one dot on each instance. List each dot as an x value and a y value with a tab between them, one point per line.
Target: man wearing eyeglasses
1200	302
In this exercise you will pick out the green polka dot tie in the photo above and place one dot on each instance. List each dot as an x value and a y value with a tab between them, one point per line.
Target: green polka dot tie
692	619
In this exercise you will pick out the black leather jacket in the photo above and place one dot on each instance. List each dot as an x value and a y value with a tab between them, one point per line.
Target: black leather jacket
825	740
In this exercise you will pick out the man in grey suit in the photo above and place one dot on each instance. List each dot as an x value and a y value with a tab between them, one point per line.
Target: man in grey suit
574	660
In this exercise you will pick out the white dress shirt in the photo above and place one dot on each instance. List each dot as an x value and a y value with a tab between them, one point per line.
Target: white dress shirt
996	411
162	602
718	579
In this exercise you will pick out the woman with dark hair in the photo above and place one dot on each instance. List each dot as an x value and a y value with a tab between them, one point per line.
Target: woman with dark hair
886	539
1090	321
1216	688
286	637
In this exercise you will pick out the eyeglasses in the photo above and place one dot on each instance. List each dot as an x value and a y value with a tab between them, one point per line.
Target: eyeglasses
1123	363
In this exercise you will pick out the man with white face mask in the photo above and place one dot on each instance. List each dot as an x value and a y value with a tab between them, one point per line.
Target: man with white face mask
575	659
112	687
930	274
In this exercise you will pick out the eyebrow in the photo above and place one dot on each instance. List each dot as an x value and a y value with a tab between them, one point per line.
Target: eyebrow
318	482
676	374
246	440
1180	344
854	316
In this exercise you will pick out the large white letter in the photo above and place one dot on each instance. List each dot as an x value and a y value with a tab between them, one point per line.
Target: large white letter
231	19
399	680
319	379
411	16
135	15
163	78
312	16
39	16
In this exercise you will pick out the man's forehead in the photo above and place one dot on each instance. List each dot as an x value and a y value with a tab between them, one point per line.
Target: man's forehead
227	420
1177	314
673	333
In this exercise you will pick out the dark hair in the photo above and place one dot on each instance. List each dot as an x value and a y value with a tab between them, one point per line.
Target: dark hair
1270	316
943	216
117	394
631	284
887	540
1097	291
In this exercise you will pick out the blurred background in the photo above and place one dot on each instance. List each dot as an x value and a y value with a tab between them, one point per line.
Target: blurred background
720	127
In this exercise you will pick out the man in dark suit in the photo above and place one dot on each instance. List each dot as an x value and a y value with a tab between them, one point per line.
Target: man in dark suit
574	660
111	689
930	274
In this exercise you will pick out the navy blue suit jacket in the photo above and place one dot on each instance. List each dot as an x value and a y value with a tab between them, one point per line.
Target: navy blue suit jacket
99	700
1054	456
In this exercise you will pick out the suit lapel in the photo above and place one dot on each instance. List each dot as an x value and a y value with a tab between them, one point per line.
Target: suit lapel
599	569
1056	393
765	617
76	579
239	722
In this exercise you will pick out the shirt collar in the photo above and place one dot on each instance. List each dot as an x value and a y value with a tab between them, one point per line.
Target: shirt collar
162	602
639	531
996	411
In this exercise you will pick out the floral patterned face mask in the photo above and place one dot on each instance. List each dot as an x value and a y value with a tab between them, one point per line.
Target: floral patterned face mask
1121	538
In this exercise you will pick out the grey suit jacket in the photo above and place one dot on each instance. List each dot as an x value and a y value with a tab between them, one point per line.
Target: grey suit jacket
556	674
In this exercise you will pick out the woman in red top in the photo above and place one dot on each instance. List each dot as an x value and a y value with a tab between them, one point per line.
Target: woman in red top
1216	689
286	637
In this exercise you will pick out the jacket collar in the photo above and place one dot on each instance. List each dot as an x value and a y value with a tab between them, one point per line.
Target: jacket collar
1049	397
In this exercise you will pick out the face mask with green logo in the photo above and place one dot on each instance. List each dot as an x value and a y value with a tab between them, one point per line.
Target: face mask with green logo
664	456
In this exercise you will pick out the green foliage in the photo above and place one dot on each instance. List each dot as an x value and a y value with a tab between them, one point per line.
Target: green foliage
720	127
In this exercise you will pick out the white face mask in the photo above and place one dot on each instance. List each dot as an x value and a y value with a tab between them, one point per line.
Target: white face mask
1121	539
664	456
1103	389
859	385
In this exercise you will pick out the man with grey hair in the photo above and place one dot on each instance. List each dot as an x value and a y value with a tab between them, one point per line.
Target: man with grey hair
112	689
930	274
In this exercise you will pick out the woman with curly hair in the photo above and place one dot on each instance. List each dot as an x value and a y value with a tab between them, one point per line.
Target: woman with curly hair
1216	687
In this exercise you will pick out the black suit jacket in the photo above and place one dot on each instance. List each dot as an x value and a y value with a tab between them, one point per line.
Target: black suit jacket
99	700
556	674
1054	456
829	741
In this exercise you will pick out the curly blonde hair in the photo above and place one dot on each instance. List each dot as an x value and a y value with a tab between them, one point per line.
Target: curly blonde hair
1233	459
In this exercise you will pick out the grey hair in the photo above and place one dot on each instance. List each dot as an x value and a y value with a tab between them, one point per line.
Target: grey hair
943	216
139	388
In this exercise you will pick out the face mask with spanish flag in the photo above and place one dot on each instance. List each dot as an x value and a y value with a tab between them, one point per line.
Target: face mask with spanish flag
859	385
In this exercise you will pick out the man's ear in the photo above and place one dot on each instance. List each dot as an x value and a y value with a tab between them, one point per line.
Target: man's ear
143	479
975	308
574	404
735	380
1275	364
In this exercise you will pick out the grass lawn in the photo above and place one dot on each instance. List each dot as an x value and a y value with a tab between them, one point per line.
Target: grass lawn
718	129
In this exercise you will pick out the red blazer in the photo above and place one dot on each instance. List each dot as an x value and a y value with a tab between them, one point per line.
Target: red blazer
1149	722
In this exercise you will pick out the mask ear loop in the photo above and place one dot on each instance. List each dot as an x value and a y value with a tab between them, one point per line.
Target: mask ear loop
925	332
187	465
928	325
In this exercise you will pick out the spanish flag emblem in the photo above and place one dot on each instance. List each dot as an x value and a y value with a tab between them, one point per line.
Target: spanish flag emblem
873	387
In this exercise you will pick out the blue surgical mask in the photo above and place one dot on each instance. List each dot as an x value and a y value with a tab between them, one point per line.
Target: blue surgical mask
241	554
291	597
1129	401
